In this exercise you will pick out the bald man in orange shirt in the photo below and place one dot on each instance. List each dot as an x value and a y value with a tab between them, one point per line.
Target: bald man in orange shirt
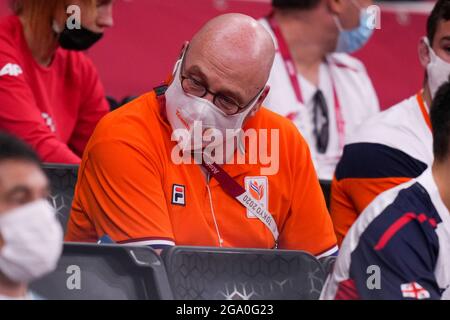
136	187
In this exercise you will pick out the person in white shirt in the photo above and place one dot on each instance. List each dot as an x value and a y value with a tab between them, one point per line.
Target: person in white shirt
395	145
31	237
399	247
314	82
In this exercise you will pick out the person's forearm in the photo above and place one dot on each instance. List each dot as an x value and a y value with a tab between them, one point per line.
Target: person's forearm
54	151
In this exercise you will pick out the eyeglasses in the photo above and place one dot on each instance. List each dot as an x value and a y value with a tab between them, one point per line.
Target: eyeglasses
321	122
227	104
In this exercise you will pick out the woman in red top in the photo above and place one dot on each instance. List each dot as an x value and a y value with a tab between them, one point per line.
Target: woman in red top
50	92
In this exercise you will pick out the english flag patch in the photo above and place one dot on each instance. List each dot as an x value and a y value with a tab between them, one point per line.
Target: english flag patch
415	291
258	188
178	195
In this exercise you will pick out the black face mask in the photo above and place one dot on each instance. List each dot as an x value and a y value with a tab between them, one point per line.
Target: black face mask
78	39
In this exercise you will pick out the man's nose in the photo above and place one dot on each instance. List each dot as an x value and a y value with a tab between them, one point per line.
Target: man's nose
209	96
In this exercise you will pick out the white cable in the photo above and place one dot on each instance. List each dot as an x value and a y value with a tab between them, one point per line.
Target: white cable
214	216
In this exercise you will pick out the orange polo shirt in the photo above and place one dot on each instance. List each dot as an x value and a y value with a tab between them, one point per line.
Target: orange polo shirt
130	189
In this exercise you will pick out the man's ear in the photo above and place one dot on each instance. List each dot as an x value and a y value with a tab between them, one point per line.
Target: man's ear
424	53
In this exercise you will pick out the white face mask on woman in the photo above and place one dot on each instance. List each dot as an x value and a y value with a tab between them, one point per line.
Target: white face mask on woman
437	70
186	112
32	242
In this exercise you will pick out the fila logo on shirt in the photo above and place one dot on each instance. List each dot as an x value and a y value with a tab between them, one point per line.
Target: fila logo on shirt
258	188
178	195
11	69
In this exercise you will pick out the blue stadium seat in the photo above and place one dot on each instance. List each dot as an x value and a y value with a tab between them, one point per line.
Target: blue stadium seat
106	272
242	274
63	179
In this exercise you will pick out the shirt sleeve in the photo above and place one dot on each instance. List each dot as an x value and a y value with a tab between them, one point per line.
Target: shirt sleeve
93	107
19	115
129	208
396	260
308	226
365	171
349	197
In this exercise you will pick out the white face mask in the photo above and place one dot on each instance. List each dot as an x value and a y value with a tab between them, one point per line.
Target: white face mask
437	70
33	241
191	113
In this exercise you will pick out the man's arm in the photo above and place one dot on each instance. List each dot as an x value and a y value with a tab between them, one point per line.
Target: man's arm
308	226
120	194
93	107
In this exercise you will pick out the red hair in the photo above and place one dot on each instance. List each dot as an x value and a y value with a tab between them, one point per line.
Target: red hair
39	16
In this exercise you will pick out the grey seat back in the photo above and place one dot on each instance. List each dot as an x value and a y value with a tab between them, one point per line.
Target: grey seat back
234	274
63	179
105	272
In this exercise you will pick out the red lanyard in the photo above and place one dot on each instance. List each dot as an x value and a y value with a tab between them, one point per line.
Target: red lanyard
293	76
235	190
230	186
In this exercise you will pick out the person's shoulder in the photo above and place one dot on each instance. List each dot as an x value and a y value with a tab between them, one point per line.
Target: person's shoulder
386	145
9	36
346	62
10	28
383	202
405	211
383	126
409	199
290	140
135	130
398	227
129	122
384	209
142	106
267	119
